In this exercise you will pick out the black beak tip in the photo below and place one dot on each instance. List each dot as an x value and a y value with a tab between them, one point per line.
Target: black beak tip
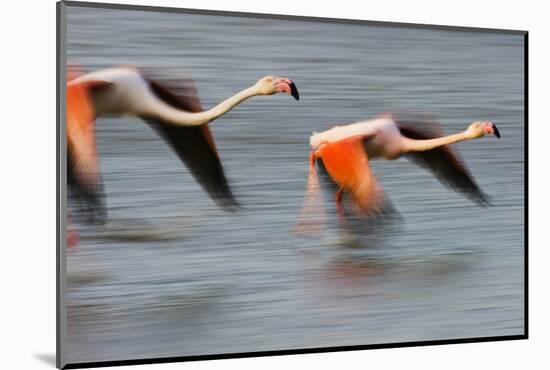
294	91
495	129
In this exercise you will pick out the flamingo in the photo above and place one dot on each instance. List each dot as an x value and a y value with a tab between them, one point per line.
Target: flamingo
345	152
174	112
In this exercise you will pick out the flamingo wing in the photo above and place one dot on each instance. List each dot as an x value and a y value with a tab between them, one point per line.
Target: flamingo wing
194	145
83	172
347	164
445	164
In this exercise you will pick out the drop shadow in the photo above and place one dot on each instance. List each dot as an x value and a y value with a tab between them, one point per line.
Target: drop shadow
47	358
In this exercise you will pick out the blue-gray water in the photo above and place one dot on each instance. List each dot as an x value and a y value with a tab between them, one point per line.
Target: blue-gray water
197	280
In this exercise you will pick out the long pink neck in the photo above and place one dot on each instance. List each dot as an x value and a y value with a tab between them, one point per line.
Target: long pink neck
183	118
412	145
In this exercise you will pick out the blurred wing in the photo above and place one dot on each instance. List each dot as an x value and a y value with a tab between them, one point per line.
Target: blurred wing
312	218
443	162
83	173
193	145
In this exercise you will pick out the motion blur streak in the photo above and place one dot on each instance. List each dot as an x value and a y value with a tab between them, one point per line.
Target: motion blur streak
171	275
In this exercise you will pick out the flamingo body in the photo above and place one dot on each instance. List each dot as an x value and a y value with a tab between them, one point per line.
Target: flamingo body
124	91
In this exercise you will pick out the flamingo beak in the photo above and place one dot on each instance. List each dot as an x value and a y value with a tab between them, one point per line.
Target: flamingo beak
495	131
294	91
287	86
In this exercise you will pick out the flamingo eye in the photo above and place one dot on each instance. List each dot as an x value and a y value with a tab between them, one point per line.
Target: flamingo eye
268	80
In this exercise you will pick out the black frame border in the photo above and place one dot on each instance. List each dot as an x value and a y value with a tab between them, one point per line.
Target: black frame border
60	70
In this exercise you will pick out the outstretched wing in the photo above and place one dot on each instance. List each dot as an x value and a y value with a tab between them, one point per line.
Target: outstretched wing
83	173
445	164
194	145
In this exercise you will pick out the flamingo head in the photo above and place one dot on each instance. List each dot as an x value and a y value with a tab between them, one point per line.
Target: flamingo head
272	85
479	129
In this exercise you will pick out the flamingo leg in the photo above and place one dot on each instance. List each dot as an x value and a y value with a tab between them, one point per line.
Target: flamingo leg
348	238
340	208
72	234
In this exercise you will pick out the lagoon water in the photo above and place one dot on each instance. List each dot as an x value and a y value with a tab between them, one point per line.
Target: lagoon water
173	275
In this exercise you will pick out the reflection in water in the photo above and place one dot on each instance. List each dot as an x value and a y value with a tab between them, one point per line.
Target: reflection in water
171	274
353	271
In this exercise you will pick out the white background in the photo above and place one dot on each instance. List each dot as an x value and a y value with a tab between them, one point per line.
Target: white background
27	145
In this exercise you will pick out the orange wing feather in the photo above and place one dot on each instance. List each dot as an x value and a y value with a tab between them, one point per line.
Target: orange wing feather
81	135
347	164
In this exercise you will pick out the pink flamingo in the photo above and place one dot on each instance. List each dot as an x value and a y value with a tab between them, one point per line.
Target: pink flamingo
345	152
175	112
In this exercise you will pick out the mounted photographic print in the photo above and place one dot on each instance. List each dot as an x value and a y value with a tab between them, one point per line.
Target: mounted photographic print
235	184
